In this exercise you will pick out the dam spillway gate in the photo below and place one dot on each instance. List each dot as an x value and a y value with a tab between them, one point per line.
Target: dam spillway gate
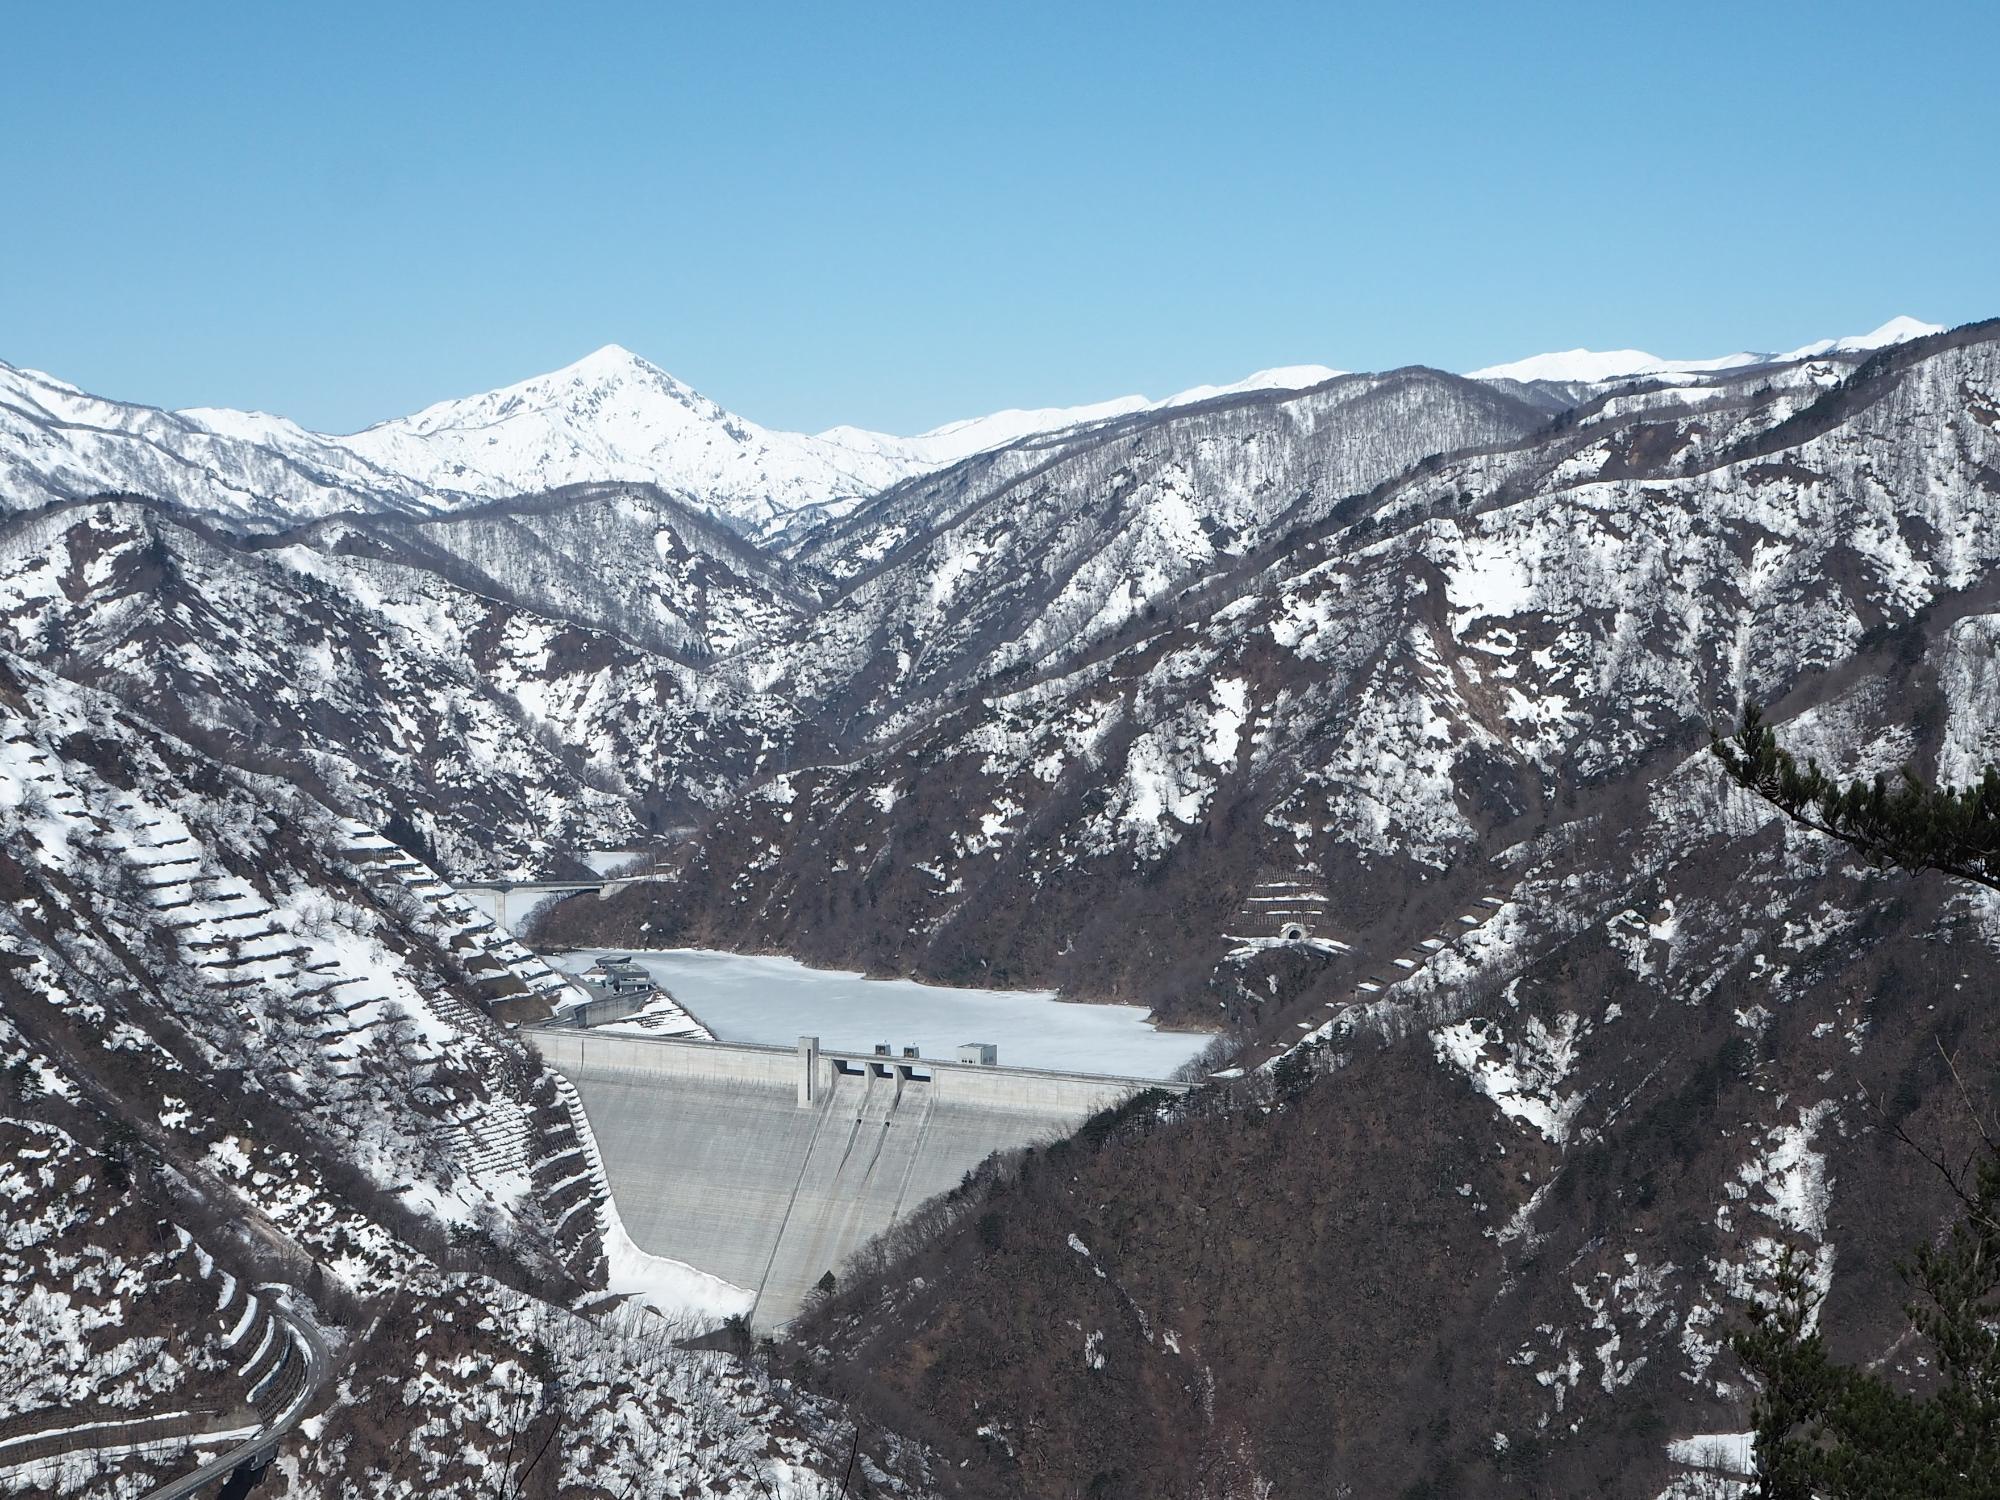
769	1166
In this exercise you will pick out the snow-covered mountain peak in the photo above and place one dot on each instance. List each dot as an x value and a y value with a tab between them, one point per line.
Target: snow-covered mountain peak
1572	364
615	416
248	426
22	376
609	364
608	386
37	390
1898	330
612	356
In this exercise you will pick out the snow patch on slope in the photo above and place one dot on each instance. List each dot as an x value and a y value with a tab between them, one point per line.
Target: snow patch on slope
1522	1078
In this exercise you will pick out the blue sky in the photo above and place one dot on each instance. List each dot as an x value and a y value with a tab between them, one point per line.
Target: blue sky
898	215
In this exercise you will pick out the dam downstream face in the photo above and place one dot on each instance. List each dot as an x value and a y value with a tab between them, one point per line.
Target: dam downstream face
769	1169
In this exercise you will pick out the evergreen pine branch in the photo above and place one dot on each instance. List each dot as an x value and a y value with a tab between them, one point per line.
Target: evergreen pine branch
1901	822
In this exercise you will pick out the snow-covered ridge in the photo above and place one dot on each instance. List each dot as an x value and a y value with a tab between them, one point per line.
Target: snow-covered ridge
1280	378
948	444
1590	366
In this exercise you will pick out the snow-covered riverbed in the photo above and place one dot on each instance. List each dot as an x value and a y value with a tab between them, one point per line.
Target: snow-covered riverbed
777	1000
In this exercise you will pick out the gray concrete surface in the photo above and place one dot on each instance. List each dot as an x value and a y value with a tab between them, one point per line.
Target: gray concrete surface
719	1157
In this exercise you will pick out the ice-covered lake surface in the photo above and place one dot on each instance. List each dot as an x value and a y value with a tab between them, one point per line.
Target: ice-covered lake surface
752	998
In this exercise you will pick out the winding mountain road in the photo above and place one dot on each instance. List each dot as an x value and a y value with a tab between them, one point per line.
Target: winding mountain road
319	1364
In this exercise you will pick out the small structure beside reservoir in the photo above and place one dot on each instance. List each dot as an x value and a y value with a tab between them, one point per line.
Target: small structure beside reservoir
617	989
615	975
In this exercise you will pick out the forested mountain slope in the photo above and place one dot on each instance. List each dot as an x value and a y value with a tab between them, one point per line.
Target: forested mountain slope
1612	1041
508	739
267	1152
1383	699
1492	1225
629	559
1030	557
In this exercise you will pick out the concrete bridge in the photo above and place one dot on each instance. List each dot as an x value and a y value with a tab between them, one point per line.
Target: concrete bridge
769	1166
492	896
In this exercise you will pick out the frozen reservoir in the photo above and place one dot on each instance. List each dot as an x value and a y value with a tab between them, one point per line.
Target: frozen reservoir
775	1001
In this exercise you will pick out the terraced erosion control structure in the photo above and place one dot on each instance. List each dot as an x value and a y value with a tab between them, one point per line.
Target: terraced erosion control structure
768	1166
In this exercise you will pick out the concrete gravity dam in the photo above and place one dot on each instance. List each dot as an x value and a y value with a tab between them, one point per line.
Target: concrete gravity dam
769	1166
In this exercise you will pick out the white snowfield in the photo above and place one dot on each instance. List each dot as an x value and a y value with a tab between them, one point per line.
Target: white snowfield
1591	366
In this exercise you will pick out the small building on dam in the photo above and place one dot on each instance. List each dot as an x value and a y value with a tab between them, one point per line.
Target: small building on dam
769	1166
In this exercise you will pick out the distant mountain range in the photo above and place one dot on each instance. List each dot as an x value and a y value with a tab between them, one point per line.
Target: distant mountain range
611	416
